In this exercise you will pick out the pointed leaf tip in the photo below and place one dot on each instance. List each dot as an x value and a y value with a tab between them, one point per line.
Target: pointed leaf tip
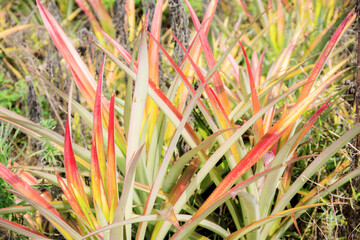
71	169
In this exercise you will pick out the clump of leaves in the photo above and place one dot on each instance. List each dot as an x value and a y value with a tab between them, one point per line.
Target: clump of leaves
132	185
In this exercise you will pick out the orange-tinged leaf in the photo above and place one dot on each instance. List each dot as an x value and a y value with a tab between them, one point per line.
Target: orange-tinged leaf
25	176
254	97
71	169
183	181
86	209
95	174
295	224
97	185
70	198
97	128
112	186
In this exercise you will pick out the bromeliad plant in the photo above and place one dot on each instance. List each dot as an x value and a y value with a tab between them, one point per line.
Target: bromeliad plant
134	186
